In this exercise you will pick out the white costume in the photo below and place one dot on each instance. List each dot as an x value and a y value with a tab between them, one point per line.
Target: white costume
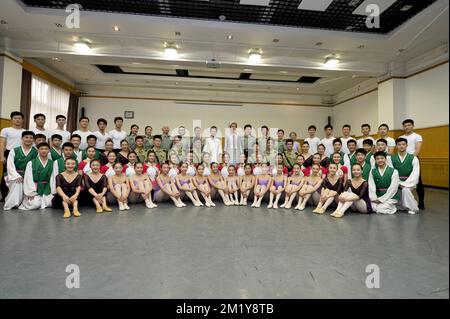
30	188
408	201
387	203
213	146
15	194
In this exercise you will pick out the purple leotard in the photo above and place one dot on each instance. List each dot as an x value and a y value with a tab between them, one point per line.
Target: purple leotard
263	182
278	183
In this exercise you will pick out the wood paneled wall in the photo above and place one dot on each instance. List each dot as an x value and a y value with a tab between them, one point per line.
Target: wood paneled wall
434	159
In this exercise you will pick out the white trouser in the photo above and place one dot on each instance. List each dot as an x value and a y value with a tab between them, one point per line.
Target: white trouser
38	202
389	207
408	202
15	195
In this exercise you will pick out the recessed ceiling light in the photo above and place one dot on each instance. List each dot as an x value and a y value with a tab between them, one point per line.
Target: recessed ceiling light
254	56
298	89
82	46
331	62
176	83
284	72
56	59
171	51
406	7
116	28
248	70
230	37
276	40
136	63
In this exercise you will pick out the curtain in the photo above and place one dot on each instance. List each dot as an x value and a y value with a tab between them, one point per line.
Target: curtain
72	114
25	100
48	99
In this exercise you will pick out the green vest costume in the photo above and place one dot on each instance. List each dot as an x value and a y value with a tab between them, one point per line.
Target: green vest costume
61	162
55	155
368	158
404	169
21	160
352	160
366	172
41	176
342	158
97	156
382	183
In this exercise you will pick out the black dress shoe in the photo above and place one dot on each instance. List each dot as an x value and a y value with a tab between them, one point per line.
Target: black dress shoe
421	207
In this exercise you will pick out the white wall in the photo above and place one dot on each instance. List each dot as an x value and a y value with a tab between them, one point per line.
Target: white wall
426	96
10	86
363	109
159	113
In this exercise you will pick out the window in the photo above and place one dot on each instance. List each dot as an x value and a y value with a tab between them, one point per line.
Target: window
48	99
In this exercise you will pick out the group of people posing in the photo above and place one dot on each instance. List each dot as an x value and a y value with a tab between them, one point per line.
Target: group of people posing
67	170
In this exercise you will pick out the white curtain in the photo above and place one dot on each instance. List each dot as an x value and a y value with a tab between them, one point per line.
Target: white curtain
49	100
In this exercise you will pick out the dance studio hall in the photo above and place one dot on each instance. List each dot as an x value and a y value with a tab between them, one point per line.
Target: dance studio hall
224	149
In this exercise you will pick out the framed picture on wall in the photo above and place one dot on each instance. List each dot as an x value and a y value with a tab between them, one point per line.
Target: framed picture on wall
129	115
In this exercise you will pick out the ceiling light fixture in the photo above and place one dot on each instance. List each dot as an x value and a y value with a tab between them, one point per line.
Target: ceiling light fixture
254	56
116	28
331	62
171	51
82	46
284	72
230	37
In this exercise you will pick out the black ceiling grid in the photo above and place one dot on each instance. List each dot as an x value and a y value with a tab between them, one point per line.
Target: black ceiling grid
115	69
338	16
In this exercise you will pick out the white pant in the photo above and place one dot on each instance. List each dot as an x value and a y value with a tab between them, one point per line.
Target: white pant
38	202
15	195
408	202
389	207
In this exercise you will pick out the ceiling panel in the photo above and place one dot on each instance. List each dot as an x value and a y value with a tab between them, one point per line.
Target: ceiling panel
317	14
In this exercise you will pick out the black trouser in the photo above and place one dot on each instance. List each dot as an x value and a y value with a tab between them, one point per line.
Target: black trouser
421	192
3	188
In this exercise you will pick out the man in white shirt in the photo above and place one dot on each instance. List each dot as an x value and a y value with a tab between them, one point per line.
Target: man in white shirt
346	131
234	145
408	168
327	141
61	121
101	134
313	140
365	130
83	132
383	186
415	143
117	134
383	131
10	138
213	146
39	120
